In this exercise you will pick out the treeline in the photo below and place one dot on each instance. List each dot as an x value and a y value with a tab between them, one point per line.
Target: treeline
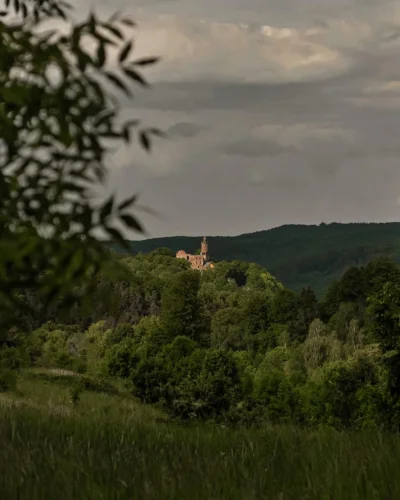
230	344
298	255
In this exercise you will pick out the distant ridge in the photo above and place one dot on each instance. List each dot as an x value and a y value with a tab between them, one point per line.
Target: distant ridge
298	255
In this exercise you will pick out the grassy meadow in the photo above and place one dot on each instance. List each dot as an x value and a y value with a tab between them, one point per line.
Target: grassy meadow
108	446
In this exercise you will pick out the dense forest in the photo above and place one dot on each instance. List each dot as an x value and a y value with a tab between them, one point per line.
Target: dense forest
230	344
298	255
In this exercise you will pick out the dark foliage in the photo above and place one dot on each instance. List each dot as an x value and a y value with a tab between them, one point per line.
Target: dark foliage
231	344
298	255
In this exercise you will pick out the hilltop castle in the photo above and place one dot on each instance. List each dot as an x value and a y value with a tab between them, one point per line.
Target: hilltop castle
199	262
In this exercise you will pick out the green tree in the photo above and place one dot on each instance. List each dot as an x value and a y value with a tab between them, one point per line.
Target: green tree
379	272
259	279
307	313
57	123
121	358
218	385
228	328
350	288
384	311
339	395
181	311
284	306
258	312
340	321
274	390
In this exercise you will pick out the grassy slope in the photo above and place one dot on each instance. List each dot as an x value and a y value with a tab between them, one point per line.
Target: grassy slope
51	450
298	255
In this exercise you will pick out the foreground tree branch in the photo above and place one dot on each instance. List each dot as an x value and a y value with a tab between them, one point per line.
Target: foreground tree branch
56	118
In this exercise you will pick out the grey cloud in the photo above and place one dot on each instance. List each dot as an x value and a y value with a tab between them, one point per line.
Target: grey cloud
220	200
390	35
184	129
327	157
254	148
321	23
349	172
279	12
335	178
290	98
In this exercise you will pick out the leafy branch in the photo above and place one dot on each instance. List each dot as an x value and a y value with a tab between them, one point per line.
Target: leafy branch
56	118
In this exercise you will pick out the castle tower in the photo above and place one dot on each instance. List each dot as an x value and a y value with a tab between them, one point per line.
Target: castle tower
204	249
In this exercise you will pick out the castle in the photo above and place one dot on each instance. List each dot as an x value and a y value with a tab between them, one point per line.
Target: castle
199	262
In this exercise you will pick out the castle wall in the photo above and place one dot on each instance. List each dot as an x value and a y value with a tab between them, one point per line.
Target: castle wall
196	261
181	254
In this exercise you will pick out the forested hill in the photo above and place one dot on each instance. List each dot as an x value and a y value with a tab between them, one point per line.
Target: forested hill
298	255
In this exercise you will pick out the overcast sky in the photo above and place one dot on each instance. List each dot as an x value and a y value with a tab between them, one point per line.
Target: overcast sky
278	111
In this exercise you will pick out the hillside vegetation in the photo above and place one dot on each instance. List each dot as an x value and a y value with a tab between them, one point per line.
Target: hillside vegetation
298	255
230	344
175	383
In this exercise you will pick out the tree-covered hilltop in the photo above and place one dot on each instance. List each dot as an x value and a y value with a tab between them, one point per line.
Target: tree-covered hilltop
230	344
298	255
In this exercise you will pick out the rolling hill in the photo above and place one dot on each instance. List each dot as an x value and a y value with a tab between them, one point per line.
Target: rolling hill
298	255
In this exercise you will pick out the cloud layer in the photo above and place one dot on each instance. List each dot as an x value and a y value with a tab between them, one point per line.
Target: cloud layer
277	112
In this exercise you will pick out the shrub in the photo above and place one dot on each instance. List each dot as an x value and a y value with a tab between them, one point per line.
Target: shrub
8	380
273	390
122	358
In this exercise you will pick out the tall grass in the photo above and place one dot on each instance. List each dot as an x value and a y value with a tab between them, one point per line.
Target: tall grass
123	454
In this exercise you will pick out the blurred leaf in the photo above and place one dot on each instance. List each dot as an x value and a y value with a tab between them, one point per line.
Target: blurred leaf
126	133
65	5
101	38
118	83
134	75
128	202
132	123
77	263
147	61
113	29
101	55
144	141
107	209
131	222
60	12
128	22
55	156
114	233
157	132
125	52
92	23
